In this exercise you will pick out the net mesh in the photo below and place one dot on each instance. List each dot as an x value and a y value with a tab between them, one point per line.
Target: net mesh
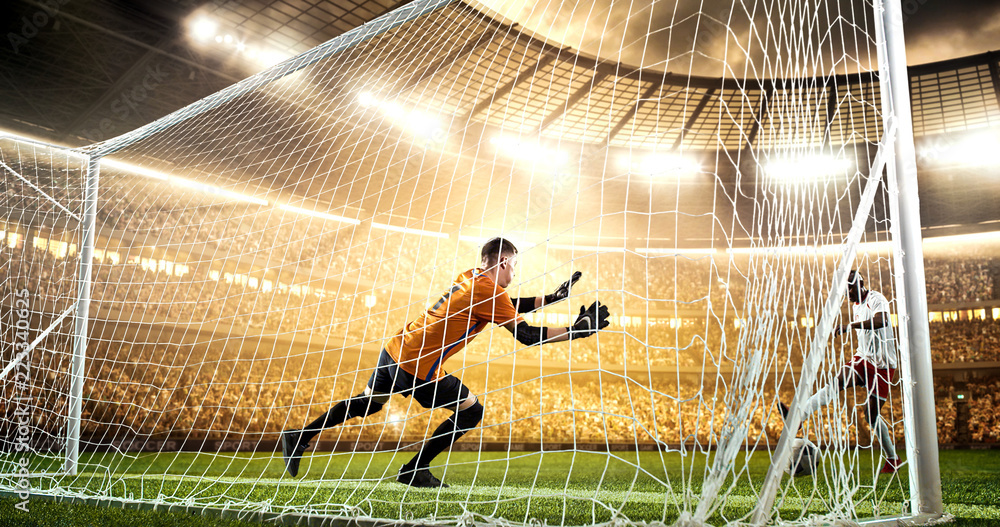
254	252
42	200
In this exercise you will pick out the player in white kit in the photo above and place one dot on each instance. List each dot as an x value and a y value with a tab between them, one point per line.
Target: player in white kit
873	365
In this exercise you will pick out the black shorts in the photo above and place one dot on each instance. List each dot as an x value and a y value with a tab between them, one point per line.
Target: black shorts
388	377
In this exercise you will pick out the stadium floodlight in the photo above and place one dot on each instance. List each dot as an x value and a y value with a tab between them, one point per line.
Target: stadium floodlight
204	29
41	144
977	237
408	230
366	99
180	181
587	248
806	167
134	169
528	150
677	250
270	57
663	165
217	191
979	149
417	122
476	240
319	214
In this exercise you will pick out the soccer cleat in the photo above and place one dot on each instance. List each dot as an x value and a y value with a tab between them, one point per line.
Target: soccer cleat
420	477
292	448
890	466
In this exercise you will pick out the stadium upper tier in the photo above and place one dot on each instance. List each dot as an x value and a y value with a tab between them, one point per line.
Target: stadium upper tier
395	127
558	92
483	71
490	73
411	129
567	96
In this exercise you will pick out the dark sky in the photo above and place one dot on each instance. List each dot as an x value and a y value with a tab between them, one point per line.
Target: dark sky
941	29
708	37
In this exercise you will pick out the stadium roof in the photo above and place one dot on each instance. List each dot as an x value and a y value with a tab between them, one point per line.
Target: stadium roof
99	69
84	63
73	68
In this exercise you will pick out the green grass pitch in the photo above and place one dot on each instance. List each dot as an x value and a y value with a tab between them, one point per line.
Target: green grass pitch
569	488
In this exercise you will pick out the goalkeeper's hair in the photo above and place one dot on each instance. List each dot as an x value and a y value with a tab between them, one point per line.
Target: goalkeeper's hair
495	248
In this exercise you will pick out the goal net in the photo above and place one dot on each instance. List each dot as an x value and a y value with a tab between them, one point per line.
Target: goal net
714	175
42	202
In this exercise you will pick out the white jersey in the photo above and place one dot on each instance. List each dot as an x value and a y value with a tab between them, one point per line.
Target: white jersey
877	346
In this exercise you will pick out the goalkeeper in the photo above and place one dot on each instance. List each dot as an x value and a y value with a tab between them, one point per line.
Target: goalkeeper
411	361
873	365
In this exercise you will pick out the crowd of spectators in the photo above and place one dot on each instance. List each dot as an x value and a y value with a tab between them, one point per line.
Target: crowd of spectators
206	227
179	392
947	413
971	340
221	391
959	280
184	392
352	287
127	288
201	228
197	226
984	421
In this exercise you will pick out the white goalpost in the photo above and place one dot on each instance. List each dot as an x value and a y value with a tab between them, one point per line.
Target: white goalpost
176	297
42	186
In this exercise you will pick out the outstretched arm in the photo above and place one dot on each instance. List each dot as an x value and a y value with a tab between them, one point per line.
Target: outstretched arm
880	320
590	321
531	303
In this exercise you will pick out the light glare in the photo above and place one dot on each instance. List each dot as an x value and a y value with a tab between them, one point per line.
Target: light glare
588	248
417	122
977	150
664	165
270	57
212	189
194	185
675	251
529	151
806	167
407	230
319	214
135	169
204	29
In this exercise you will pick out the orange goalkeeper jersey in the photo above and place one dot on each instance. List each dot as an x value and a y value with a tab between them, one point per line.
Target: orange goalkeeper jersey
463	312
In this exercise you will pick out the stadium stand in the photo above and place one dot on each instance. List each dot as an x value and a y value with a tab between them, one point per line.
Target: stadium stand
183	285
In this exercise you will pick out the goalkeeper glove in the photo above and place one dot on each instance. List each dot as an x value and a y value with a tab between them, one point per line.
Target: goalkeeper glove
562	292
590	321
